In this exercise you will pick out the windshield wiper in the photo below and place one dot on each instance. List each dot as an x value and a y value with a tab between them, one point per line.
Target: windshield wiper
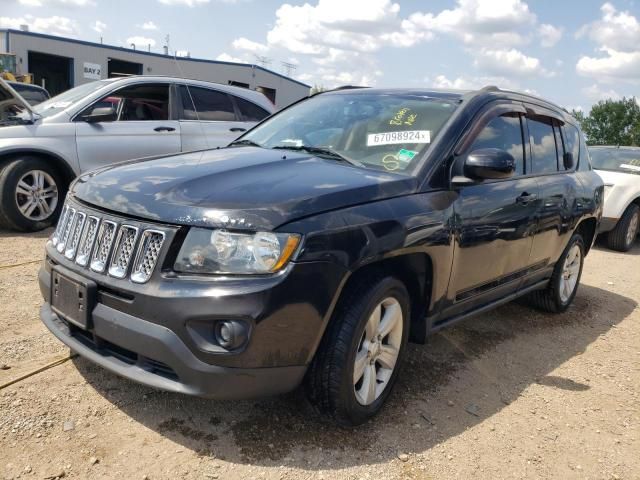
320	151
246	143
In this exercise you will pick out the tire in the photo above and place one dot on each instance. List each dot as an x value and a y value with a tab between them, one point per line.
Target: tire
330	384
554	298
623	236
25	172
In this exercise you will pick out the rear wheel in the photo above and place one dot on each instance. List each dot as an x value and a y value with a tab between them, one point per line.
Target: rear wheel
623	236
358	360
31	194
564	282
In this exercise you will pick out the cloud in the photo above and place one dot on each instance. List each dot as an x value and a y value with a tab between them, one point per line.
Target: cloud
618	37
225	57
481	22
549	35
249	46
510	63
149	26
595	93
615	65
185	3
55	25
616	30
141	42
99	26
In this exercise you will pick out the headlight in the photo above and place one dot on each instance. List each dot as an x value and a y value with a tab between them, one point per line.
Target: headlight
221	251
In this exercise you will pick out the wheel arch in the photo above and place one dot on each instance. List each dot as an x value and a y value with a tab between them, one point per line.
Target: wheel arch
415	271
587	228
59	163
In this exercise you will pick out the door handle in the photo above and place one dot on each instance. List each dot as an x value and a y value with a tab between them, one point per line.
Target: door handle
163	129
237	129
526	198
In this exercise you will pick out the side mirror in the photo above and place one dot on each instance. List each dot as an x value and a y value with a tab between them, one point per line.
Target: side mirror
101	114
569	161
489	163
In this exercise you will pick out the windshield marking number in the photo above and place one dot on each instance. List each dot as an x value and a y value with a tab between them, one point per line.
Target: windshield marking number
394	138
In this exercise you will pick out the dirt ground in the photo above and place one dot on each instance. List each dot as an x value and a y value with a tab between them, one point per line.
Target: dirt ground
510	394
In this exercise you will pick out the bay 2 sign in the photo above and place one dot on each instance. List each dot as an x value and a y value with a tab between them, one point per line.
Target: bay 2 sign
92	71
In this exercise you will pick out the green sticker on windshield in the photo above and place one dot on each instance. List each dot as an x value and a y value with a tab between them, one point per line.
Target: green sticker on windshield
405	156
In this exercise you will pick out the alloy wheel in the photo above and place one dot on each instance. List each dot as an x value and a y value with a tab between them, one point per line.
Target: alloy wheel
36	195
570	273
632	230
377	351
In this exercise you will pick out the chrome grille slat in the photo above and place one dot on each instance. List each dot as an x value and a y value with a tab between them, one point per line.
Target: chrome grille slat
67	230
60	226
74	236
86	241
104	242
147	255
107	244
123	251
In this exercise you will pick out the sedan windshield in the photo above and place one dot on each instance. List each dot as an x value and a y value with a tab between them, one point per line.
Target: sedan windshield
624	160
372	130
68	98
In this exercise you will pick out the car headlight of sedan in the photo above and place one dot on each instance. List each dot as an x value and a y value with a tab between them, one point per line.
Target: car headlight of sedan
224	252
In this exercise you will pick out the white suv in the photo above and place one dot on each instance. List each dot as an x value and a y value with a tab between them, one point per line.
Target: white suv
42	148
619	168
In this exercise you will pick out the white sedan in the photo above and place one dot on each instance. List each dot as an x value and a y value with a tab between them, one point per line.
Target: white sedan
619	168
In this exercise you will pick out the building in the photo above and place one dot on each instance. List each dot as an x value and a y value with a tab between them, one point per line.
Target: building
59	63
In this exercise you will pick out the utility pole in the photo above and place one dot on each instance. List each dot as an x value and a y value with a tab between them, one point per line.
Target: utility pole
288	68
262	60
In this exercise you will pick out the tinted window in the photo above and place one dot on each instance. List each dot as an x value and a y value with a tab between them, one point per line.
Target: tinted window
205	104
137	103
543	145
250	111
504	133
572	142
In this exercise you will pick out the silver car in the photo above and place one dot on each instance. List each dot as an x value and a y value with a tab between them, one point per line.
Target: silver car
42	148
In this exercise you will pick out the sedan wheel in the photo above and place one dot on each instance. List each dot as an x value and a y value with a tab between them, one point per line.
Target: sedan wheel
36	195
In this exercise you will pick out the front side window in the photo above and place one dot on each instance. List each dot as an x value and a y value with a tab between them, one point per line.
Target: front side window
373	130
135	103
504	133
543	145
206	105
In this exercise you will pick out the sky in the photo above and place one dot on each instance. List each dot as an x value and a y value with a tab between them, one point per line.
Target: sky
573	52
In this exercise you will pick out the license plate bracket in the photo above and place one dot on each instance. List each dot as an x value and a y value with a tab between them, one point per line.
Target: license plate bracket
72	297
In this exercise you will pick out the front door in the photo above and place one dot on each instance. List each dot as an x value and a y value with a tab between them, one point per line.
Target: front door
494	224
140	127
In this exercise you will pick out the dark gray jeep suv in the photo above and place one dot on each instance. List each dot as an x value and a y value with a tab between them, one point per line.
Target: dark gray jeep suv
313	248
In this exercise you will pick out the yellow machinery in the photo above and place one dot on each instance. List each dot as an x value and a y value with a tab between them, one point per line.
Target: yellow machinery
8	69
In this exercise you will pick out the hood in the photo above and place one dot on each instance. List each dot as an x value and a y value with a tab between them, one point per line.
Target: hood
11	103
239	187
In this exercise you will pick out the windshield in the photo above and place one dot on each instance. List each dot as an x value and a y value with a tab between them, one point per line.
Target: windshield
380	131
616	159
65	99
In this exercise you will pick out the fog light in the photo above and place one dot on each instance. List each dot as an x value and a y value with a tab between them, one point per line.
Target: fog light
230	334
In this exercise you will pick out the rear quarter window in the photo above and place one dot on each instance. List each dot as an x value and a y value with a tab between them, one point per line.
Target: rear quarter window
249	111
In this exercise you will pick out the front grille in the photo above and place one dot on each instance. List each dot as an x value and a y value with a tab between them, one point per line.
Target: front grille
106	245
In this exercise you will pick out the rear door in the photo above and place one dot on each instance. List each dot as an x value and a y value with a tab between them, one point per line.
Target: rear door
209	118
560	189
494	220
141	127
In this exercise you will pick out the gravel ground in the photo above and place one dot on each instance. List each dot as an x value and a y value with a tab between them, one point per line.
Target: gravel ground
510	394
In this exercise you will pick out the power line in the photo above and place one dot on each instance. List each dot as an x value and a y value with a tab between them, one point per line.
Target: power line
288	68
262	60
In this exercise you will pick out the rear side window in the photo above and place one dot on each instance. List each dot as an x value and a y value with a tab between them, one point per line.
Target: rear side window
249	111
206	104
504	133
543	144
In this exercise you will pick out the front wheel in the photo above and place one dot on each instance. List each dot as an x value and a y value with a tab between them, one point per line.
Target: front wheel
564	282
31	194
358	360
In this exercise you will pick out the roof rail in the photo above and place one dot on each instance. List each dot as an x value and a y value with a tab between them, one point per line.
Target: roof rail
490	88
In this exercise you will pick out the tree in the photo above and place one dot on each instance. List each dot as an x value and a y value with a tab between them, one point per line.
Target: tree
317	89
612	122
